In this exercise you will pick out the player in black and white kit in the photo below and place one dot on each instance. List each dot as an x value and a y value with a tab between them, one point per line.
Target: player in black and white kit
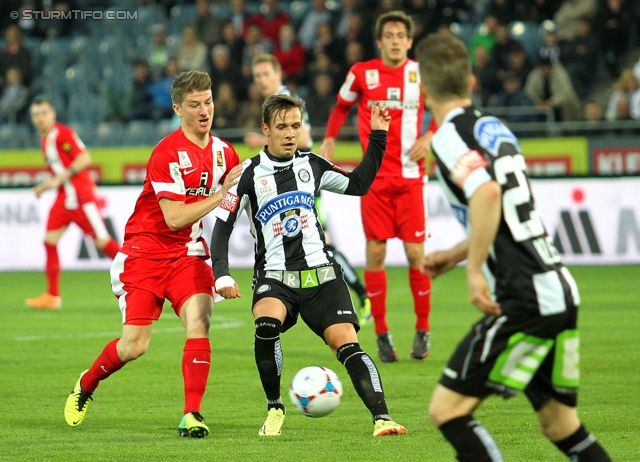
528	339
296	273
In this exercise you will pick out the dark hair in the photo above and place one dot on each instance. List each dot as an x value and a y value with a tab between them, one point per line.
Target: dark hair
276	103
394	16
38	100
188	82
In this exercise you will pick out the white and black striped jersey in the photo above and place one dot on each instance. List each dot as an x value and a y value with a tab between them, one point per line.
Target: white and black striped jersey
284	90
471	148
279	197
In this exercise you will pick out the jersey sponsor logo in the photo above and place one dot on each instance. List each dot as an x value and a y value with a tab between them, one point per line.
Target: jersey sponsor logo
188	172
183	158
263	288
394	104
466	165
203	189
283	203
230	202
393	93
413	77
491	132
304	176
219	161
372	78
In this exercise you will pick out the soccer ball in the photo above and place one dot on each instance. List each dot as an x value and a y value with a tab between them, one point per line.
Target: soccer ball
315	391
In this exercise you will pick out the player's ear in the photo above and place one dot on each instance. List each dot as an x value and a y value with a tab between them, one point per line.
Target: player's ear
265	129
177	110
473	82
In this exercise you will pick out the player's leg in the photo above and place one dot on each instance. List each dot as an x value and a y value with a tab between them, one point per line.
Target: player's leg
90	220
560	424
269	314
189	288
364	375
452	413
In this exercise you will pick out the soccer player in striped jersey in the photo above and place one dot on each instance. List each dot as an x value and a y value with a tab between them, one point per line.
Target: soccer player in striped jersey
527	341
68	160
296	274
164	255
395	205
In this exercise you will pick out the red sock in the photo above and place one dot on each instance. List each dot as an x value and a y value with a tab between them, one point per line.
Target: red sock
52	269
421	288
111	249
376	282
107	363
196	362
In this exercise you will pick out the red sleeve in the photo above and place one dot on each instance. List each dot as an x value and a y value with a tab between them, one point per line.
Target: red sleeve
69	143
163	171
336	120
433	126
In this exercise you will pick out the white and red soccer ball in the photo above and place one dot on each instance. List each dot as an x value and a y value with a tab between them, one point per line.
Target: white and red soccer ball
315	391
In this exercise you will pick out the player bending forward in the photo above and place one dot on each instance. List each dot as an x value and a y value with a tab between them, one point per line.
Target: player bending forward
296	274
164	254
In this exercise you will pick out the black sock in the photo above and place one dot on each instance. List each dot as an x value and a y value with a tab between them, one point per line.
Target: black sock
268	356
350	274
365	378
582	447
472	442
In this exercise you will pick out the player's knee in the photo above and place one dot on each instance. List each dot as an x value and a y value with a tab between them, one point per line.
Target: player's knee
437	413
130	351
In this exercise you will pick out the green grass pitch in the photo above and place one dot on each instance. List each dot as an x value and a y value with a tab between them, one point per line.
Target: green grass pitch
136	412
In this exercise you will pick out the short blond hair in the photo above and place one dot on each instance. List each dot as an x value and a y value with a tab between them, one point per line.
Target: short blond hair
189	82
266	58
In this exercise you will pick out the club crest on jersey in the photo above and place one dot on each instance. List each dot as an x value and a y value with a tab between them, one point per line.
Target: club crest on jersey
304	175
413	77
184	160
372	78
491	132
283	203
264	187
219	161
291	225
66	147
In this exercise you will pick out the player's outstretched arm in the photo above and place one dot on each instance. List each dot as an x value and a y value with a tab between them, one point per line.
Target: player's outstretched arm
327	148
81	162
441	261
255	140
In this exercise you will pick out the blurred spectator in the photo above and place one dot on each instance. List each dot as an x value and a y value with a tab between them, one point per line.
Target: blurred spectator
348	8
192	53
233	41
15	98
485	71
158	53
270	18
333	47
579	56
425	12
238	16
225	106
455	11
208	27
308	30
593	114
27	26
160	91
55	20
138	103
6	7
569	13
321	100
223	69
506	11
513	96
255	44
15	54
540	10
250	114
504	45
550	46
549	85
357	32
613	23
618	106
519	63
353	54
322	64
485	37
291	54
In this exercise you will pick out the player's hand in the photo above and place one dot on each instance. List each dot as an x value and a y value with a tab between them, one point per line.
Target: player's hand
328	148
255	140
438	262
479	293
380	118
229	290
231	179
421	147
49	183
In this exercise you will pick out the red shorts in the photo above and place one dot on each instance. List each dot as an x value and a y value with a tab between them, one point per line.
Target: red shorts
142	284
394	207
87	216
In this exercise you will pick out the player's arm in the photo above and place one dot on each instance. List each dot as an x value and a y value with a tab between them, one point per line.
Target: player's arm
485	209
81	162
178	214
421	147
441	261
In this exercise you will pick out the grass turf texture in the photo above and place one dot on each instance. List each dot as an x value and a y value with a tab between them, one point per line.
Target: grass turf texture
136	412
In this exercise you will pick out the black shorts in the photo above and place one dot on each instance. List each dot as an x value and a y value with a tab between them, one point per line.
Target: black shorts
510	354
319	307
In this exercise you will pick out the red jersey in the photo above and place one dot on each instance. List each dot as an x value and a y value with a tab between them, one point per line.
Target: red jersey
399	91
181	171
60	146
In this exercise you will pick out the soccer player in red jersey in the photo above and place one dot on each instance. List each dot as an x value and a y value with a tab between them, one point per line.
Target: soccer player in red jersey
164	254
68	161
395	204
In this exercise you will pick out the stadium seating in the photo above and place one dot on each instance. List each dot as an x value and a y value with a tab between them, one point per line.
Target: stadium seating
527	34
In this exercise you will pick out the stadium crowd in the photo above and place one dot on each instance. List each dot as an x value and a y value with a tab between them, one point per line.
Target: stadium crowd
573	59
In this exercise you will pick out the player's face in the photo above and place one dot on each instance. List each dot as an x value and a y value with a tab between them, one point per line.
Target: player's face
196	112
267	79
394	44
284	133
43	117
